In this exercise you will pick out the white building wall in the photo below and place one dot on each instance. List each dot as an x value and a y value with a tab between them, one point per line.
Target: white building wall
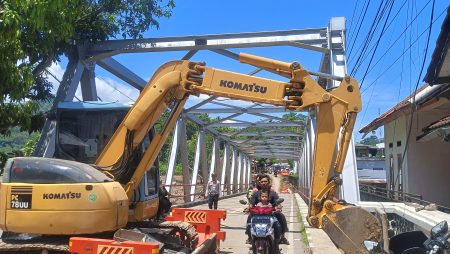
429	170
394	132
426	169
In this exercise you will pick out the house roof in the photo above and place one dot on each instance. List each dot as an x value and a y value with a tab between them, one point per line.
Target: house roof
439	68
392	113
431	131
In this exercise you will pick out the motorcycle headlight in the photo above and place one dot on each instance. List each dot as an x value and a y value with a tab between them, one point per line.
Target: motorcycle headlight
261	229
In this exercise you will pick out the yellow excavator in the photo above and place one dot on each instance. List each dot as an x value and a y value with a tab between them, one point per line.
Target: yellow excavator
119	190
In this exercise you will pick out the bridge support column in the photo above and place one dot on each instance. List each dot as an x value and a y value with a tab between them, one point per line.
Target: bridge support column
239	173
249	173
224	180
198	152
184	161
233	169
203	160
214	167
244	173
173	154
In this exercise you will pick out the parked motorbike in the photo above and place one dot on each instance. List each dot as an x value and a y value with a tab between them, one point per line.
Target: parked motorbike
262	229
275	173
416	242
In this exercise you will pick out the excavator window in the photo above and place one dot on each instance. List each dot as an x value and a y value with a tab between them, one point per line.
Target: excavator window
45	171
82	134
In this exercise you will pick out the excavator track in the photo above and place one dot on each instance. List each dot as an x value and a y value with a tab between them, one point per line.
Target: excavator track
49	244
176	236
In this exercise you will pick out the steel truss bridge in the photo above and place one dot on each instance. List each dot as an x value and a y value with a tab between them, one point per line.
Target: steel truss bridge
243	144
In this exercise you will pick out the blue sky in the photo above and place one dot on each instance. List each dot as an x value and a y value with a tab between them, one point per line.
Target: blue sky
383	86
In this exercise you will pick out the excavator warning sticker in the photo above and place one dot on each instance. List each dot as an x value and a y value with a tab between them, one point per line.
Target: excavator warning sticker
195	216
105	249
21	197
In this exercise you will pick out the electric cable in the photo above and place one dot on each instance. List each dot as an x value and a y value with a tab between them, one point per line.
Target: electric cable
398	58
413	103
363	15
377	43
398	38
368	40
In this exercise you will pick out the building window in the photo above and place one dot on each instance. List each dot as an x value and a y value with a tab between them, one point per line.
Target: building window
377	168
399	143
390	145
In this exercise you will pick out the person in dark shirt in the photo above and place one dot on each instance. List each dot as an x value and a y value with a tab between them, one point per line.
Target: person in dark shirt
164	201
265	185
263	182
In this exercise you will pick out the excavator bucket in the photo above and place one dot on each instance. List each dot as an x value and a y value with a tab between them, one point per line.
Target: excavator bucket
348	235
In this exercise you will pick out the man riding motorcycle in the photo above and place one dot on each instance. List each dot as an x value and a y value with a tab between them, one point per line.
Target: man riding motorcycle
263	184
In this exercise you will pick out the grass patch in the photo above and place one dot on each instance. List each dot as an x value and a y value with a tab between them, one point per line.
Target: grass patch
302	226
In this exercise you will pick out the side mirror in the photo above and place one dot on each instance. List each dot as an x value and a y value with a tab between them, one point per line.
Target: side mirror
279	201
243	202
440	229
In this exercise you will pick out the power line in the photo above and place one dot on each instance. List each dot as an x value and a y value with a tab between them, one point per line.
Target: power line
351	21
403	32
413	104
377	43
367	41
359	27
57	79
106	82
398	58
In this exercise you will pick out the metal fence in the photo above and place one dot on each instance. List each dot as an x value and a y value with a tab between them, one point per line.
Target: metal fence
373	193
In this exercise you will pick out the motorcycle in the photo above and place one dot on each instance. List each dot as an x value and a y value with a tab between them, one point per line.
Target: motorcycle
262	229
416	242
275	173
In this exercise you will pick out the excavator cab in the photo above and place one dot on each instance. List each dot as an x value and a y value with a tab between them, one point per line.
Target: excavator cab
83	129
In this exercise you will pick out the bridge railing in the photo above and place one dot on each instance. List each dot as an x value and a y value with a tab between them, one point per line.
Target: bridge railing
178	195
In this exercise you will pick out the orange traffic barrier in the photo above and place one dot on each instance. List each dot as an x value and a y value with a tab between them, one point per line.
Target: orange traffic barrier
284	190
206	222
82	245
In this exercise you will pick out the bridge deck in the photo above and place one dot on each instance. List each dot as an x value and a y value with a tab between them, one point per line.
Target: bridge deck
234	226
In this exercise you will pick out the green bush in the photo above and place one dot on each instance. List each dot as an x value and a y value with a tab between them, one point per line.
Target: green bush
164	166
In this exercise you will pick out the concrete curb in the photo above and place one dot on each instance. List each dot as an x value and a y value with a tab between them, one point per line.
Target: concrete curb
318	240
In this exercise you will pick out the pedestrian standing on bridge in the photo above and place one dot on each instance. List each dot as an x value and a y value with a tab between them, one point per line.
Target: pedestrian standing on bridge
213	192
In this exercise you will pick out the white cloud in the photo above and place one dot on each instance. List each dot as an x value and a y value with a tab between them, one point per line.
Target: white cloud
111	90
108	89
193	100
54	75
230	121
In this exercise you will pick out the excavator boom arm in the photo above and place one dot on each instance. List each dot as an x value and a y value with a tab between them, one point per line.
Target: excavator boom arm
175	81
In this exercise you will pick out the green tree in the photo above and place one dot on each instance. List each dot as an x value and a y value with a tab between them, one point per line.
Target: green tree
30	144
372	140
36	33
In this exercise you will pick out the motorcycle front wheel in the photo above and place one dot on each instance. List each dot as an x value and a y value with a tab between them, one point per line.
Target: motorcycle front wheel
268	250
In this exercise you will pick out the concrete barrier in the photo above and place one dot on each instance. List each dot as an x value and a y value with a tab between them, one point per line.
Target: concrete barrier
209	246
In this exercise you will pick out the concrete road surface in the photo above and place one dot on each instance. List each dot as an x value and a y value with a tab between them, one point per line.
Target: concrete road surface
234	226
